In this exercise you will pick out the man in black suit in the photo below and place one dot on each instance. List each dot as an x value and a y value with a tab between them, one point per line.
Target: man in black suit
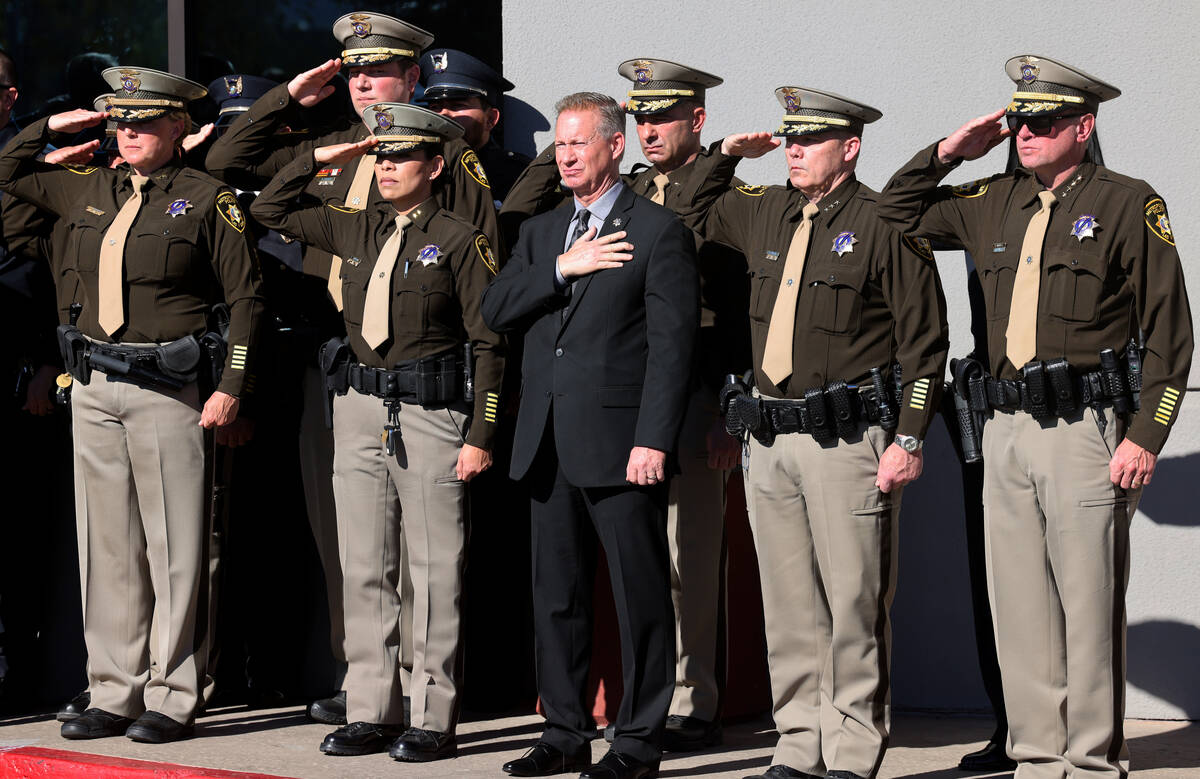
607	296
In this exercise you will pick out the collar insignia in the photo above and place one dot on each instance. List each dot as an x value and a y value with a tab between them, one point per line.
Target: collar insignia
1084	227
178	207
844	242
429	254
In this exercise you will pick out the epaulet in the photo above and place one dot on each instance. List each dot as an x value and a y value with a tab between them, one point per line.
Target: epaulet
976	188
751	190
1104	174
343	209
81	170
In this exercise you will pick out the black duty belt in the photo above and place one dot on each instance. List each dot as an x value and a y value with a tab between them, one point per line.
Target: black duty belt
390	385
796	416
1052	388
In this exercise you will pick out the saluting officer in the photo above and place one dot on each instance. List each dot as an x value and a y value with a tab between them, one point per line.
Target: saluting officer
1075	262
465	89
155	246
839	303
411	281
667	101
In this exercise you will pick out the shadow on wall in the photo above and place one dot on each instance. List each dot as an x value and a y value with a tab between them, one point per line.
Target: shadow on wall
1171	498
521	121
1162	661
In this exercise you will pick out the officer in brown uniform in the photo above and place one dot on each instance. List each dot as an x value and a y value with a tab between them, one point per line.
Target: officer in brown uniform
380	53
849	337
411	282
468	91
1076	261
667	102
155	245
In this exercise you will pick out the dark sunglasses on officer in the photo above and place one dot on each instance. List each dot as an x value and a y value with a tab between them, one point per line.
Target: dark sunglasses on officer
1038	125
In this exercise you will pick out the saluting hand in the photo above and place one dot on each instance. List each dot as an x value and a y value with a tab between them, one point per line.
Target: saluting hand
73	155
312	86
341	153
590	254
219	410
974	139
748	144
74	121
200	136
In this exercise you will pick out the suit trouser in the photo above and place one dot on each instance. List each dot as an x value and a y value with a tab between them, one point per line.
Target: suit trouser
1058	565
696	533
376	494
826	540
630	523
139	460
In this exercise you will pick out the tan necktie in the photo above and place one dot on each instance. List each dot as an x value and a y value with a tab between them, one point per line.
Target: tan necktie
1021	336
376	316
660	192
111	313
777	356
360	189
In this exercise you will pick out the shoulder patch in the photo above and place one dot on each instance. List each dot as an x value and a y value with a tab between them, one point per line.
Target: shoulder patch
343	209
753	190
974	188
81	170
485	253
1157	221
471	164
920	246
230	211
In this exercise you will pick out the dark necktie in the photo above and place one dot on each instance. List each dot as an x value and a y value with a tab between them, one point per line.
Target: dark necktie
581	227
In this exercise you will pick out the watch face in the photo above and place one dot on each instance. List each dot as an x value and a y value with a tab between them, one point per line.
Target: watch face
910	444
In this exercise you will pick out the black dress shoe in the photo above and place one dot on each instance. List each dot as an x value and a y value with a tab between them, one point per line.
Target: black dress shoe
95	723
992	757
74	707
331	711
155	728
782	772
687	734
422	746
360	738
545	760
614	765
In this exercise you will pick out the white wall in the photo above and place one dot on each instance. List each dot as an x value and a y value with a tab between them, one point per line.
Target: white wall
929	67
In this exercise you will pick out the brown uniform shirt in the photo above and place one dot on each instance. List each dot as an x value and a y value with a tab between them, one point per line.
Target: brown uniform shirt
1098	285
260	143
434	305
876	301
176	267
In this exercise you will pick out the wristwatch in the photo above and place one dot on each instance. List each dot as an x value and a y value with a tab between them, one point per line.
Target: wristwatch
909	443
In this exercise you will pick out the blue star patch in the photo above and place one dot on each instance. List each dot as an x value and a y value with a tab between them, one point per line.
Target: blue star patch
178	207
1085	227
429	254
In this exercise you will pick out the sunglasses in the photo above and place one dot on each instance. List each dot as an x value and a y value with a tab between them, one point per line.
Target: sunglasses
1038	125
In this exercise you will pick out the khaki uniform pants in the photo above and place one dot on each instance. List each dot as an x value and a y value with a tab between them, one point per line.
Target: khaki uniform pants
376	495
1058	564
139	465
696	534
827	540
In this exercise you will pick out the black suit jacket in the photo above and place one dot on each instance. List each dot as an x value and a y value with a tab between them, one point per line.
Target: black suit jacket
616	371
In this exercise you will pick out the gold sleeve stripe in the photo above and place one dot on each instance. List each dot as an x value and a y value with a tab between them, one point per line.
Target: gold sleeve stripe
238	360
492	402
1166	406
920	394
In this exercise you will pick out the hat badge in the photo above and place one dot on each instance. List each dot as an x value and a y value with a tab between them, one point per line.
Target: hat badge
233	86
359	25
129	81
1029	70
643	71
441	61
384	120
791	99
